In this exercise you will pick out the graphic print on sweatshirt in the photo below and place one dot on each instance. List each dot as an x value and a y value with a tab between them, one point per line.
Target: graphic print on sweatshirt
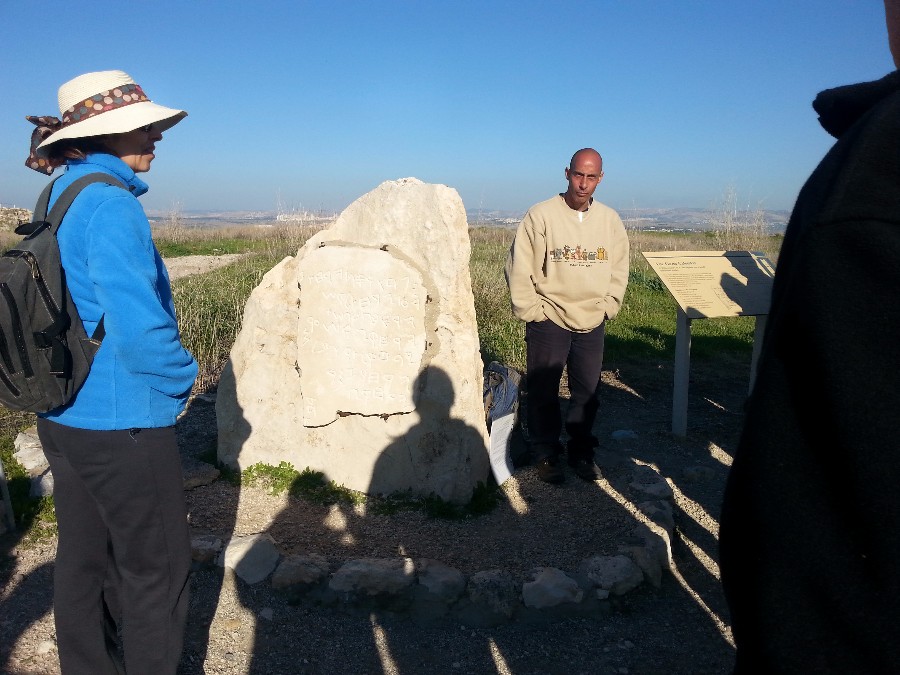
578	256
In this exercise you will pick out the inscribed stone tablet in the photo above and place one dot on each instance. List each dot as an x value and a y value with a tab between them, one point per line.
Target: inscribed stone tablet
361	334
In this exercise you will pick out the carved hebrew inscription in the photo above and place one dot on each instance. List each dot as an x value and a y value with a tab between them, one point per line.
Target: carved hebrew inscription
361	335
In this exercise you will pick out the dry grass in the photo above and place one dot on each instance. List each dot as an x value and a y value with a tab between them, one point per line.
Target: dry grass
211	306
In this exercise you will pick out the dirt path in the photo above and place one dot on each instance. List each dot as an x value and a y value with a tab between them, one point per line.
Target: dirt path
187	265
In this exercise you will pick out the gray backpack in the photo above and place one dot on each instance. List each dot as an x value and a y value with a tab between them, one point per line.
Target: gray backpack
45	354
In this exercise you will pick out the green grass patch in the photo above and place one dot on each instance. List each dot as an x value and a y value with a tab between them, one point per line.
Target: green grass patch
308	484
210	307
277	479
274	241
485	499
388	505
312	486
28	511
502	336
177	249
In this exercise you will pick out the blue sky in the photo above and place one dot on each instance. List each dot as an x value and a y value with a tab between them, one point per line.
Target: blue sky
316	103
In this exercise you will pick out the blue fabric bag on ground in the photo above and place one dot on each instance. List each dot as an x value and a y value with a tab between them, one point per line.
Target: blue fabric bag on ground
501	404
501	391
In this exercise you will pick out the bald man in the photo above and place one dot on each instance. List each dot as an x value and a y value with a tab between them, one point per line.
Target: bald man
567	271
810	532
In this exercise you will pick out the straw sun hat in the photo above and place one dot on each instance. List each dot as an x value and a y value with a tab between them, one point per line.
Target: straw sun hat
96	104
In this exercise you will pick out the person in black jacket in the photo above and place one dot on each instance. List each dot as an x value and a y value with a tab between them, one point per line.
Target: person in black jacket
810	533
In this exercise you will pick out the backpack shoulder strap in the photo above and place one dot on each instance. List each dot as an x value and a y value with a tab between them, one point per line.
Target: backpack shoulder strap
54	219
42	219
40	209
62	204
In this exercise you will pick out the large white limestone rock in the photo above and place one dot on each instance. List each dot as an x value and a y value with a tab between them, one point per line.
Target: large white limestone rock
358	357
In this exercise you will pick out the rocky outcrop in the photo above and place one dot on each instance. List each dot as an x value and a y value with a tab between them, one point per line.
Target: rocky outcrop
359	358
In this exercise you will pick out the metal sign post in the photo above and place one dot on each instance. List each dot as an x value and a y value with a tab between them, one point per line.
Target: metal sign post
709	284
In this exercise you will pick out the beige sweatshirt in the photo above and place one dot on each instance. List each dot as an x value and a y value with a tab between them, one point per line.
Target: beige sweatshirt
573	272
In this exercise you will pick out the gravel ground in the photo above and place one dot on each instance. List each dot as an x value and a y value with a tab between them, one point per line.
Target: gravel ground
234	628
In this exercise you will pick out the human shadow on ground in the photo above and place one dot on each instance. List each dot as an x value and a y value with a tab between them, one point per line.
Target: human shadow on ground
635	400
394	643
387	638
435	458
197	438
637	395
24	600
696	465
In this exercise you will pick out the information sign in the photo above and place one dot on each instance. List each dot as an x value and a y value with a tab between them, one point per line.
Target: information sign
709	284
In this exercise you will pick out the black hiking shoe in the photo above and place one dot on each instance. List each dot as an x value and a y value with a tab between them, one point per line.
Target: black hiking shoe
586	469
549	470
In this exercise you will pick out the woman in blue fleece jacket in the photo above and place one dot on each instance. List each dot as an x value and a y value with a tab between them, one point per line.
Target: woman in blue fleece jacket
124	551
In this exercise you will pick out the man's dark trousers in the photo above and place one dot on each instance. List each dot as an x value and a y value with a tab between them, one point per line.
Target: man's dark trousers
549	349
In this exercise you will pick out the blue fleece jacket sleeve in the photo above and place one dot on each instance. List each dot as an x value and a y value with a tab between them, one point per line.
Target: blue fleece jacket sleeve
132	287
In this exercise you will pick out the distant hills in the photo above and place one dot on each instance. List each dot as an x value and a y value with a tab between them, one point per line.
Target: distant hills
673	219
